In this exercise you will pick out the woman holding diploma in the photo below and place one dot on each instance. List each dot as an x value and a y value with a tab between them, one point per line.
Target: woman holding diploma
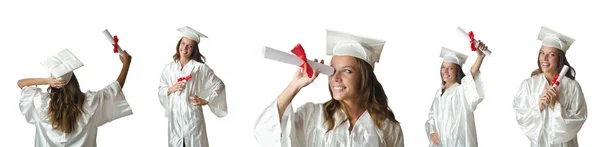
551	116
357	114
451	121
187	84
65	116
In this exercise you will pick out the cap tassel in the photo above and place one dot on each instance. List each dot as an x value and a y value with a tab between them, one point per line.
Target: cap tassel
299	52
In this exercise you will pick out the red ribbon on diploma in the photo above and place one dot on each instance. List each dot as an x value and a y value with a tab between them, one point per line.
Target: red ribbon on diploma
115	45
472	37
184	78
555	80
299	52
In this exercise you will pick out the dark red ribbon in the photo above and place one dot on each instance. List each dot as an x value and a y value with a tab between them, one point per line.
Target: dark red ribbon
184	78
555	80
299	52
115	45
472	37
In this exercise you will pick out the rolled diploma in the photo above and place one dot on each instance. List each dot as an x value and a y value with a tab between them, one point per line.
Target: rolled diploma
466	35
110	39
185	81
562	74
274	54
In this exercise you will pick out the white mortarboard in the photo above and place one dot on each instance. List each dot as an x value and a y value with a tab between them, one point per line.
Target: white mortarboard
452	56
555	39
345	44
190	33
62	65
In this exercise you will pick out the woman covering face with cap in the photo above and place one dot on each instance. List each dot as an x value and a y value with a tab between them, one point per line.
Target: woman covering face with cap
357	114
65	116
187	84
451	122
551	114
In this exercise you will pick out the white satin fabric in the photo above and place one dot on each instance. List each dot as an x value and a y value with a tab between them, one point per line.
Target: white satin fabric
550	128
186	121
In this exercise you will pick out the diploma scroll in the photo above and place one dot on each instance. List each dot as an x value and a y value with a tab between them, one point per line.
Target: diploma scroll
562	74
466	35
111	40
184	79
274	54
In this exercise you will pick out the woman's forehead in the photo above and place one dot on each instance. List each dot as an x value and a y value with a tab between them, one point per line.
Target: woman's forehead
448	64
548	49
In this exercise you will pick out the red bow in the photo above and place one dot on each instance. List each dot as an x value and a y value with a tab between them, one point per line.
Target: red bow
184	78
555	80
472	37
115	45
299	52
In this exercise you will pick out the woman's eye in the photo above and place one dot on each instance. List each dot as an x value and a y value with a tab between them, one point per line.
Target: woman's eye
347	71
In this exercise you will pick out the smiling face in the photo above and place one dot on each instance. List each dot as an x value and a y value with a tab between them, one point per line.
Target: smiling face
449	72
345	82
548	59
186	47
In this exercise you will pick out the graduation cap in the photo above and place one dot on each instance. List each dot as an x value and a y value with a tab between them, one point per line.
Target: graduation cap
552	38
190	33
62	65
452	56
346	44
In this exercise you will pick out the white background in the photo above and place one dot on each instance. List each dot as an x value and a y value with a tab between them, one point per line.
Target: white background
409	69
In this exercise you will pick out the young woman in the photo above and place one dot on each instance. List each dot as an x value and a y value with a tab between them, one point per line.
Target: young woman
551	116
65	116
186	85
451	121
357	114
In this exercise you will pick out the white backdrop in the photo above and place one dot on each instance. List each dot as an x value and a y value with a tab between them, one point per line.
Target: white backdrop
409	68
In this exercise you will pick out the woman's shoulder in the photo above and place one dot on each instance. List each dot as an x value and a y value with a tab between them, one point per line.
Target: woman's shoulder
572	83
533	79
392	127
311	106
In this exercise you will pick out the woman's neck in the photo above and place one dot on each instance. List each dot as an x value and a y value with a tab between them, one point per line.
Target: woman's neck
183	61
354	109
448	84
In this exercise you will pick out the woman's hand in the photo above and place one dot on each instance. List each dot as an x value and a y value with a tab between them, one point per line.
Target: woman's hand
480	48
179	86
301	79
125	57
56	83
552	96
544	100
435	138
197	101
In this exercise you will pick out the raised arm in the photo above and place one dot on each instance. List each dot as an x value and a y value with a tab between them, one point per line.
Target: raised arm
300	80
57	83
126	60
480	55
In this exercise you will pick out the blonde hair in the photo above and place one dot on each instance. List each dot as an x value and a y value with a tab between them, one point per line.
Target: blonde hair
372	96
66	106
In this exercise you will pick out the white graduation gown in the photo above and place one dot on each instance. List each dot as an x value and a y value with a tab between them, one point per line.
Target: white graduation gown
550	128
451	114
100	107
186	121
307	128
